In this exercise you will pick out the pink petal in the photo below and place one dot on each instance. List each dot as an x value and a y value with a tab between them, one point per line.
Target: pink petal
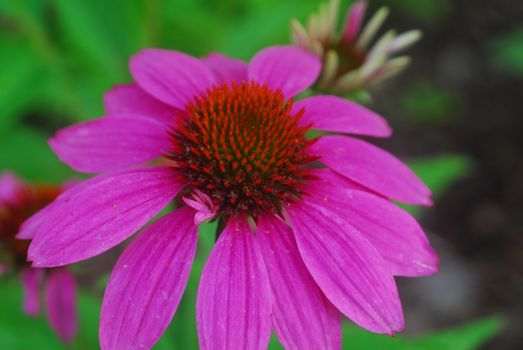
301	315
60	300
147	283
203	204
111	143
102	213
233	307
371	167
331	113
354	20
130	99
390	229
170	76
288	68
334	179
10	186
226	68
348	269
30	226
31	282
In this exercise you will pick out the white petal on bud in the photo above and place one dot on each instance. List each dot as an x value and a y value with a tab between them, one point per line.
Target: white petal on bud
377	56
317	48
390	69
333	10
372	27
330	68
313	26
299	34
404	40
323	23
348	82
383	43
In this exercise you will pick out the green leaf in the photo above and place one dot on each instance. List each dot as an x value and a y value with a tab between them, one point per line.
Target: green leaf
429	11
428	104
507	51
438	173
17	330
196	34
21	332
467	337
106	32
89	318
18	68
25	151
262	24
25	8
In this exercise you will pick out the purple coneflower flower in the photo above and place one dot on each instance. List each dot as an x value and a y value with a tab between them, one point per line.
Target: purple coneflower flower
350	61
309	231
18	201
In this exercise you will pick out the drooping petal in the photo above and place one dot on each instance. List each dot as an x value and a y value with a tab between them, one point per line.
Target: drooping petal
107	144
31	282
130	99
203	204
354	20
60	301
371	167
331	113
391	230
288	68
233	307
147	283
10	186
100	214
348	269
226	68
301	315
170	76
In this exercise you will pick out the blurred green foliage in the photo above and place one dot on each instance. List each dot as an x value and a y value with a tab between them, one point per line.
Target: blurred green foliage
438	173
468	337
428	11
26	152
507	51
429	105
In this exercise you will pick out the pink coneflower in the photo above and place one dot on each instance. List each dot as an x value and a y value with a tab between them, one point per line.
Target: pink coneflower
309	232
350	61
18	201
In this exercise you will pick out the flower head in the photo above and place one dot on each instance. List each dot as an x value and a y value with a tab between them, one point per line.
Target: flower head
309	231
350	61
18	201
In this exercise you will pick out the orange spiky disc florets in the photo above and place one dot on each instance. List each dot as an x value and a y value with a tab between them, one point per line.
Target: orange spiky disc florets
240	145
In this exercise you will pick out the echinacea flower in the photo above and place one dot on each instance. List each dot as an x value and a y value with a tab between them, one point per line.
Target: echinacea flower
350	62
309	231
18	201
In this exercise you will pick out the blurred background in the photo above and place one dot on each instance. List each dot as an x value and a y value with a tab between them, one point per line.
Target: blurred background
456	113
